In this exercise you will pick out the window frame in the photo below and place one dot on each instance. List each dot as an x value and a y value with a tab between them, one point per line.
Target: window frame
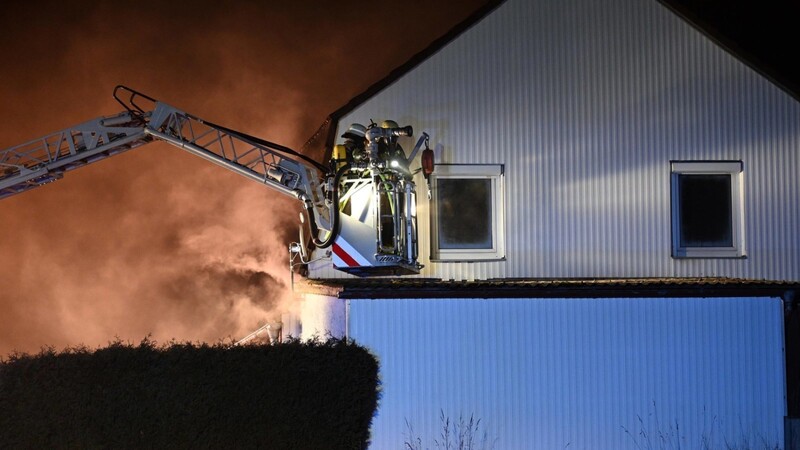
734	169
495	173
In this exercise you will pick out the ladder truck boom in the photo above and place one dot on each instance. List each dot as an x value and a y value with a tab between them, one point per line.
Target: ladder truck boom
46	159
362	204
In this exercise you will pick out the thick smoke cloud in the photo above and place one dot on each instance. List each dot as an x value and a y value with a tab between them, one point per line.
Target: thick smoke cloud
156	241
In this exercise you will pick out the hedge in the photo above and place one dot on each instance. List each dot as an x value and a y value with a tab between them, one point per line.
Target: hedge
294	395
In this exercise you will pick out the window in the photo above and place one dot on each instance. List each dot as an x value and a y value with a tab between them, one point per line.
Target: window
707	215
467	213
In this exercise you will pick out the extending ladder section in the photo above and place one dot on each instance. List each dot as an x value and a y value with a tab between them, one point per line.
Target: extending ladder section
47	158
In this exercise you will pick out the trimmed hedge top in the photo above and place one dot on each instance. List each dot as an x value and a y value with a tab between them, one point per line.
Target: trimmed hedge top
294	395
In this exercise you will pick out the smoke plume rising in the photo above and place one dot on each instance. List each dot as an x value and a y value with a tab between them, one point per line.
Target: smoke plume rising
156	241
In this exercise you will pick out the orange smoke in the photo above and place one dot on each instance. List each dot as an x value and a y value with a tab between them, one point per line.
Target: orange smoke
156	241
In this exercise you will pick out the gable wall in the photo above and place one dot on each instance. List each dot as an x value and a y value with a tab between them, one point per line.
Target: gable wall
586	103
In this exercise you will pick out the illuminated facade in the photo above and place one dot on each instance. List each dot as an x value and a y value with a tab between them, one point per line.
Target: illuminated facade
612	233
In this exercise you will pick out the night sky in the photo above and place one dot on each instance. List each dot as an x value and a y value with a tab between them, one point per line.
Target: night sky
156	241
764	33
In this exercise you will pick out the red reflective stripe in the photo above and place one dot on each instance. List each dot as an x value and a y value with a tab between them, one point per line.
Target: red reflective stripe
344	256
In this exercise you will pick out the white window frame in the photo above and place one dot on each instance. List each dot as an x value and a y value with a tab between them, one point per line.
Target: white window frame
732	168
492	172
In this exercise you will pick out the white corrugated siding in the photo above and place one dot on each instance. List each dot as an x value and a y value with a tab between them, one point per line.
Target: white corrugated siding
586	103
545	373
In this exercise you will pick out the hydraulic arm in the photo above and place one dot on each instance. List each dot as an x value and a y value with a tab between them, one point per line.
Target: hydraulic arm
381	239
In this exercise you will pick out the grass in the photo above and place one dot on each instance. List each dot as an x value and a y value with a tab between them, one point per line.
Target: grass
669	437
461	434
466	433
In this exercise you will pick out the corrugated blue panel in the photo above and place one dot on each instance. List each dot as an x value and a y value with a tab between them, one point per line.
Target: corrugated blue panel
586	103
552	373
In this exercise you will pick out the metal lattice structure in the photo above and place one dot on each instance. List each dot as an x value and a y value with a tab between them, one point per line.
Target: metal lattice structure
47	158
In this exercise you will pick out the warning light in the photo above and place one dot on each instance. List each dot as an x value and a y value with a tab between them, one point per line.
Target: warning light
427	162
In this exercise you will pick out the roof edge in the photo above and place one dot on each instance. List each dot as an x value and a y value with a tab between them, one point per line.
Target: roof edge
408	66
751	60
394	288
771	74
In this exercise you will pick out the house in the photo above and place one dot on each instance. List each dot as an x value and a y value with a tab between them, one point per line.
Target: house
611	250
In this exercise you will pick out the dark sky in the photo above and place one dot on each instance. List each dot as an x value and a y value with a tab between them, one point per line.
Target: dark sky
765	32
156	240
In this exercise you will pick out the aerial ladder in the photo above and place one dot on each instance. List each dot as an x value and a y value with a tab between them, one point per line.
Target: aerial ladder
361	206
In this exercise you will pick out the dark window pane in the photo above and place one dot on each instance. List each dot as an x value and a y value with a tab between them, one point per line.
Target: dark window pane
705	211
464	213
